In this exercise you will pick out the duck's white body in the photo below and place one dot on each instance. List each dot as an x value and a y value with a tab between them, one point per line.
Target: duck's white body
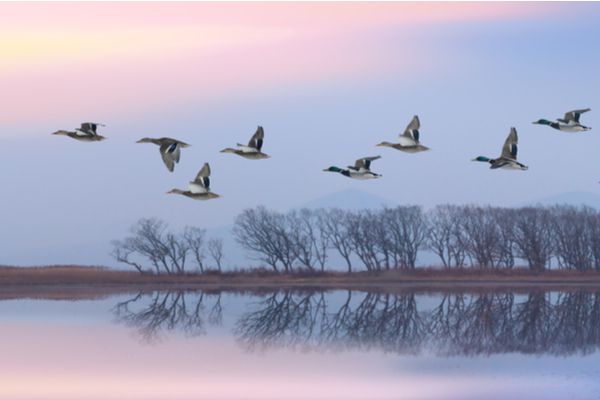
363	175
81	133
572	127
505	163
407	141
196	188
246	149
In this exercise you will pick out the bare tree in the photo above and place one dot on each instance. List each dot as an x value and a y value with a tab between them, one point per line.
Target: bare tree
215	250
362	235
264	233
533	236
302	236
194	239
334	226
123	251
571	241
321	239
481	236
445	236
167	252
593	234
407	230
504	218
147	242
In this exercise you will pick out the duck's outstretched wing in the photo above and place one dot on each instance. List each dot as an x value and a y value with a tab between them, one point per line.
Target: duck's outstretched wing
364	163
204	172
202	182
176	152
90	127
573	116
509	150
256	141
170	153
412	130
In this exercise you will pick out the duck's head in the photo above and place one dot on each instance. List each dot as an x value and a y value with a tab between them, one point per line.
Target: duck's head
482	159
385	144
333	169
542	122
145	140
228	150
61	133
175	191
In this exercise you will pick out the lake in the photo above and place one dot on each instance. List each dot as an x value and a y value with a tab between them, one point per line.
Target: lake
303	345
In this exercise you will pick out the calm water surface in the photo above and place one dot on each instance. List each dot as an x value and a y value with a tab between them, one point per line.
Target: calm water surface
303	345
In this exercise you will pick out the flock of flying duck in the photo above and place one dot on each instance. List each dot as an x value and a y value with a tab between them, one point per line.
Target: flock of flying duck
408	141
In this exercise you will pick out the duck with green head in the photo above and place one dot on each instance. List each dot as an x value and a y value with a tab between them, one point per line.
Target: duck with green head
569	123
508	158
360	170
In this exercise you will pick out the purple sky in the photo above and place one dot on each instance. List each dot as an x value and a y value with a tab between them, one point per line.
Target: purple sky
326	81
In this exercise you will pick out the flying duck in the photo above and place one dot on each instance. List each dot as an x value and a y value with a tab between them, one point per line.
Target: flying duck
508	158
170	150
360	170
199	188
570	122
86	133
409	140
252	150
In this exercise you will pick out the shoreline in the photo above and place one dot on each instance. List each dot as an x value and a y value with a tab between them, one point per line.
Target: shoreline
68	282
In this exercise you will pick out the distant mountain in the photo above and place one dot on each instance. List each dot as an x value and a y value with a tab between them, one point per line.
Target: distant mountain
570	198
351	199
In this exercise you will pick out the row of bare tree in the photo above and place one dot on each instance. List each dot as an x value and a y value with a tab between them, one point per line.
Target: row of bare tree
461	236
167	252
390	238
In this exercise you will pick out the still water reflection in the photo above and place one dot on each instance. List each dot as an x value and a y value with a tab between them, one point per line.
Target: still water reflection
447	324
303	345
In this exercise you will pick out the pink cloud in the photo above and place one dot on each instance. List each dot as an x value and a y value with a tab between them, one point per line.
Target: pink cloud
66	61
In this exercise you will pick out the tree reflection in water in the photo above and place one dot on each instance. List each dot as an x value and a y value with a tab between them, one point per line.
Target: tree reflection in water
159	312
450	324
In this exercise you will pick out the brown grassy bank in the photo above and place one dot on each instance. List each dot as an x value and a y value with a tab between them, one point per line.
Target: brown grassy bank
92	282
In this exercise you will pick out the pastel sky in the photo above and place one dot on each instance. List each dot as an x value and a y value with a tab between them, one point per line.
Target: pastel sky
327	81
